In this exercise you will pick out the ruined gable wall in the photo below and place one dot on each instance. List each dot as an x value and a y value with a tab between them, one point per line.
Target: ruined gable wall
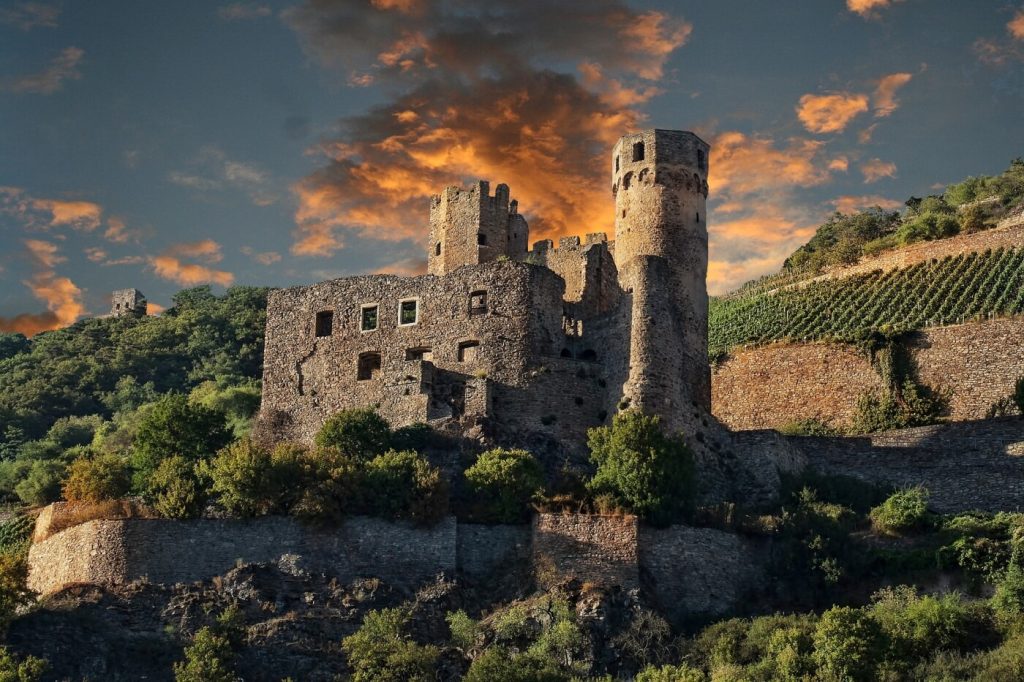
308	378
773	385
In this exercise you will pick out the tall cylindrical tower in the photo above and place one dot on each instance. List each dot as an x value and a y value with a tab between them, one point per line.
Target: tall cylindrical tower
659	178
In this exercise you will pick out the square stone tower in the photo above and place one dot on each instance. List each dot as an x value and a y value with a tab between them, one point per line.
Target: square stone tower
470	227
127	302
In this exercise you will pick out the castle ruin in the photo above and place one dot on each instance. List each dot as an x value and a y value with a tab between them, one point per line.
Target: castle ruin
128	302
501	342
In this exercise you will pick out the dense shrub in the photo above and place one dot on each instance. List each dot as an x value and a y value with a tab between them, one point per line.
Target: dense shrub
885	410
176	427
814	550
360	433
645	470
848	645
94	479
502	483
671	673
403	485
251	481
13	590
903	512
1018	395
1008	600
28	669
238	403
208	659
41	483
176	489
381	650
331	483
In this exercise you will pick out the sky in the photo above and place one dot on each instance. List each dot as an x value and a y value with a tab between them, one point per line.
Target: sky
163	145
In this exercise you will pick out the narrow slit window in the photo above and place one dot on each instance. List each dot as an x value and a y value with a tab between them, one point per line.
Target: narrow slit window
325	323
478	302
468	351
368	318
408	312
698	216
638	151
616	164
437	249
481	239
369	366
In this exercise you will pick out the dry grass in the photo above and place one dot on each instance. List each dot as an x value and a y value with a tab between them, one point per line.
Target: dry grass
75	513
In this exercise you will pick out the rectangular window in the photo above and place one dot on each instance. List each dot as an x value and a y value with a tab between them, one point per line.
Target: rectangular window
468	351
325	323
481	239
638	151
368	318
408	312
478	303
368	366
421	353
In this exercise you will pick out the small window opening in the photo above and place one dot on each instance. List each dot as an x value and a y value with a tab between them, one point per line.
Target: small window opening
369	366
589	355
698	216
481	239
626	180
478	303
408	312
638	151
423	353
566	353
368	319
117	307
324	323
701	160
616	163
437	249
468	351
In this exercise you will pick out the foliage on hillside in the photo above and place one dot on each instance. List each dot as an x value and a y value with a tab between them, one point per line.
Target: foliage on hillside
951	290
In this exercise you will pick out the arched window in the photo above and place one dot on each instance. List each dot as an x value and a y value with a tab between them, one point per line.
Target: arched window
627	179
369	366
566	353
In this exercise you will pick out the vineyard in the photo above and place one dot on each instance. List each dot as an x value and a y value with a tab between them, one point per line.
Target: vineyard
947	291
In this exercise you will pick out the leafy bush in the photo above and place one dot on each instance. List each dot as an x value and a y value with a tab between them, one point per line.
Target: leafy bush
403	485
331	483
848	645
13	590
464	630
671	673
176	427
208	659
1018	394
814	548
360	433
28	669
903	512
41	484
502	483
176	490
381	650
93	479
238	403
646	471
251	481
15	532
1008	600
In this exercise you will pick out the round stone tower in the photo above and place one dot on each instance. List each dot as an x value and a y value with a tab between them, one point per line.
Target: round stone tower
659	179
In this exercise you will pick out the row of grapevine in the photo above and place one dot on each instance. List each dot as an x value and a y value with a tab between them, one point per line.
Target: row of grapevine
947	291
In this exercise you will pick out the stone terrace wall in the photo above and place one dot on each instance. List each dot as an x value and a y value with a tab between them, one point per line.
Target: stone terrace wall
773	385
111	552
700	570
965	466
590	548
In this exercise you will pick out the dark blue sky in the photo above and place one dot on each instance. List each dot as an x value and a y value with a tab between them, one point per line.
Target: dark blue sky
158	145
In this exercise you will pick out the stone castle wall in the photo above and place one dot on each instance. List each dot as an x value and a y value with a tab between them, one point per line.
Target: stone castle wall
770	386
688	567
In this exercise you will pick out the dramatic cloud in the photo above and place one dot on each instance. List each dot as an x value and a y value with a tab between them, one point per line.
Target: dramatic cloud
830	113
407	267
876	169
29	15
39	213
868	9
1016	25
51	79
852	204
171	265
62	298
96	254
479	91
885	93
265	258
118	232
757	220
840	164
239	11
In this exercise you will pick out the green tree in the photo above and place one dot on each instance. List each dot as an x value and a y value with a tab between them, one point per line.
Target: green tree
41	484
176	490
645	470
403	485
847	645
1008	600
251	481
94	479
502	483
361	433
28	669
331	483
176	427
208	659
381	650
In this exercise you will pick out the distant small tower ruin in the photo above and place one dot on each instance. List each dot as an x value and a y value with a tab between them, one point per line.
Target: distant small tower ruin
127	302
470	227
